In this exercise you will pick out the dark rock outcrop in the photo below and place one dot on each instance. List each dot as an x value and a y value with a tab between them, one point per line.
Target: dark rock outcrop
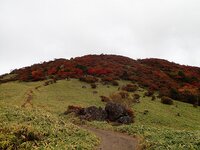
94	113
119	113
113	112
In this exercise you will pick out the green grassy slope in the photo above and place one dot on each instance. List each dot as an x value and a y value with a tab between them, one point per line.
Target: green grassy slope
161	128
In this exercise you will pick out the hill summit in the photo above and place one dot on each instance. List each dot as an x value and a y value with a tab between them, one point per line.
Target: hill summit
179	82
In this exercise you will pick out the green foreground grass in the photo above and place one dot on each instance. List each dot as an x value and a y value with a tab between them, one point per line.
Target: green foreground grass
38	129
161	128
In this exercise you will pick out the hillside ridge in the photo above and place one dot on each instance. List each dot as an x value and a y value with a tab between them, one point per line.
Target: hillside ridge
179	82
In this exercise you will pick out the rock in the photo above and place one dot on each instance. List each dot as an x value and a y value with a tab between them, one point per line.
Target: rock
125	120
118	113
94	113
113	112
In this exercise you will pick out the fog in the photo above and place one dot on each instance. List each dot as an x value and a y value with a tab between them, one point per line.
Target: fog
41	30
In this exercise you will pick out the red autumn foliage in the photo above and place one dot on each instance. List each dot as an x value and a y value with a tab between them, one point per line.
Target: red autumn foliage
155	74
88	79
37	75
98	71
52	71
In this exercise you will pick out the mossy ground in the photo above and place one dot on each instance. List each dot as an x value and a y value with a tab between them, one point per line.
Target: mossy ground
160	128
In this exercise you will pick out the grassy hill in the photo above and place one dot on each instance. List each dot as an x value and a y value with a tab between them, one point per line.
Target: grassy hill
41	124
169	79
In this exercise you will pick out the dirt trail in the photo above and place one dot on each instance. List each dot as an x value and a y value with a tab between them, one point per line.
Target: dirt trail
28	100
30	92
113	140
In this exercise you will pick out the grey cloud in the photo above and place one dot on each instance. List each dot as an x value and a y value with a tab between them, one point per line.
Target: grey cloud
40	30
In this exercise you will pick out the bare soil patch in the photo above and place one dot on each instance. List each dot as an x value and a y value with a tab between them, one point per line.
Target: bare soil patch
111	140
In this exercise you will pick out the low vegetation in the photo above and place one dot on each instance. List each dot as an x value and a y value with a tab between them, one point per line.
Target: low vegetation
38	129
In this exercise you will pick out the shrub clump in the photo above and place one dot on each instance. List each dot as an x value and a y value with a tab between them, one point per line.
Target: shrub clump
106	79
88	79
153	97
121	97
130	88
105	99
149	93
75	109
115	83
51	81
136	98
93	86
27	134
166	100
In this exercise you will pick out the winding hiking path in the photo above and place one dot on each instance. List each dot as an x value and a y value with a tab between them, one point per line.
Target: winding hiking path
113	140
29	97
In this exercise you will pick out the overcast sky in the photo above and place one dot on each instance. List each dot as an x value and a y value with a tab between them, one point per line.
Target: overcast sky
32	31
